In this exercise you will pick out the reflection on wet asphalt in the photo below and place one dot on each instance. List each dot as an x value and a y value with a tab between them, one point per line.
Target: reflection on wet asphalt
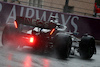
20	58
28	61
46	62
26	58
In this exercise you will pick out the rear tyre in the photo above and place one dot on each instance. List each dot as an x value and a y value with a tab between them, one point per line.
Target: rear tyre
87	47
62	44
9	37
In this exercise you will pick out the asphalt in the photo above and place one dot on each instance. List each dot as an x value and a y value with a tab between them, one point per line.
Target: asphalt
27	58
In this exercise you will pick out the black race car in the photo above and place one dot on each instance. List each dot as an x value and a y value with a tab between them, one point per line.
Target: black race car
45	36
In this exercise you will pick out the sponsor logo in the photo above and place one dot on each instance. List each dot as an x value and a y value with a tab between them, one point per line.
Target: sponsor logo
44	15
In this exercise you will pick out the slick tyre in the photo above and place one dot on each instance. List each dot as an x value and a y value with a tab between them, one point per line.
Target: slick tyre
87	47
62	44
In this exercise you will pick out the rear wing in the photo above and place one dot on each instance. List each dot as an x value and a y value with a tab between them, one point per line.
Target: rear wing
35	22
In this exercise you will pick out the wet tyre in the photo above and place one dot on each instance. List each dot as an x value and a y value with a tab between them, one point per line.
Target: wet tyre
9	37
87	47
62	44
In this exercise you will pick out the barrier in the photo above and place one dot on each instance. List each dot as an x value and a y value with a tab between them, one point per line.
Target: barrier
75	23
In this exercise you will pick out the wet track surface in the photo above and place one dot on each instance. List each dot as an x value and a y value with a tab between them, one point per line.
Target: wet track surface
26	58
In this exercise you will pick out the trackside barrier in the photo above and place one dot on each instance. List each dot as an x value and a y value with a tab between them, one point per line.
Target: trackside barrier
74	23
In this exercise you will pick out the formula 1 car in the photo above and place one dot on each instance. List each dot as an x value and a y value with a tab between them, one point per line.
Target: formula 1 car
44	35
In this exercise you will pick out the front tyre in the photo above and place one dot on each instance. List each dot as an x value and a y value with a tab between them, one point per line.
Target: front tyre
87	47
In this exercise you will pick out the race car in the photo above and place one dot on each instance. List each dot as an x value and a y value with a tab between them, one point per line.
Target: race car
45	36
